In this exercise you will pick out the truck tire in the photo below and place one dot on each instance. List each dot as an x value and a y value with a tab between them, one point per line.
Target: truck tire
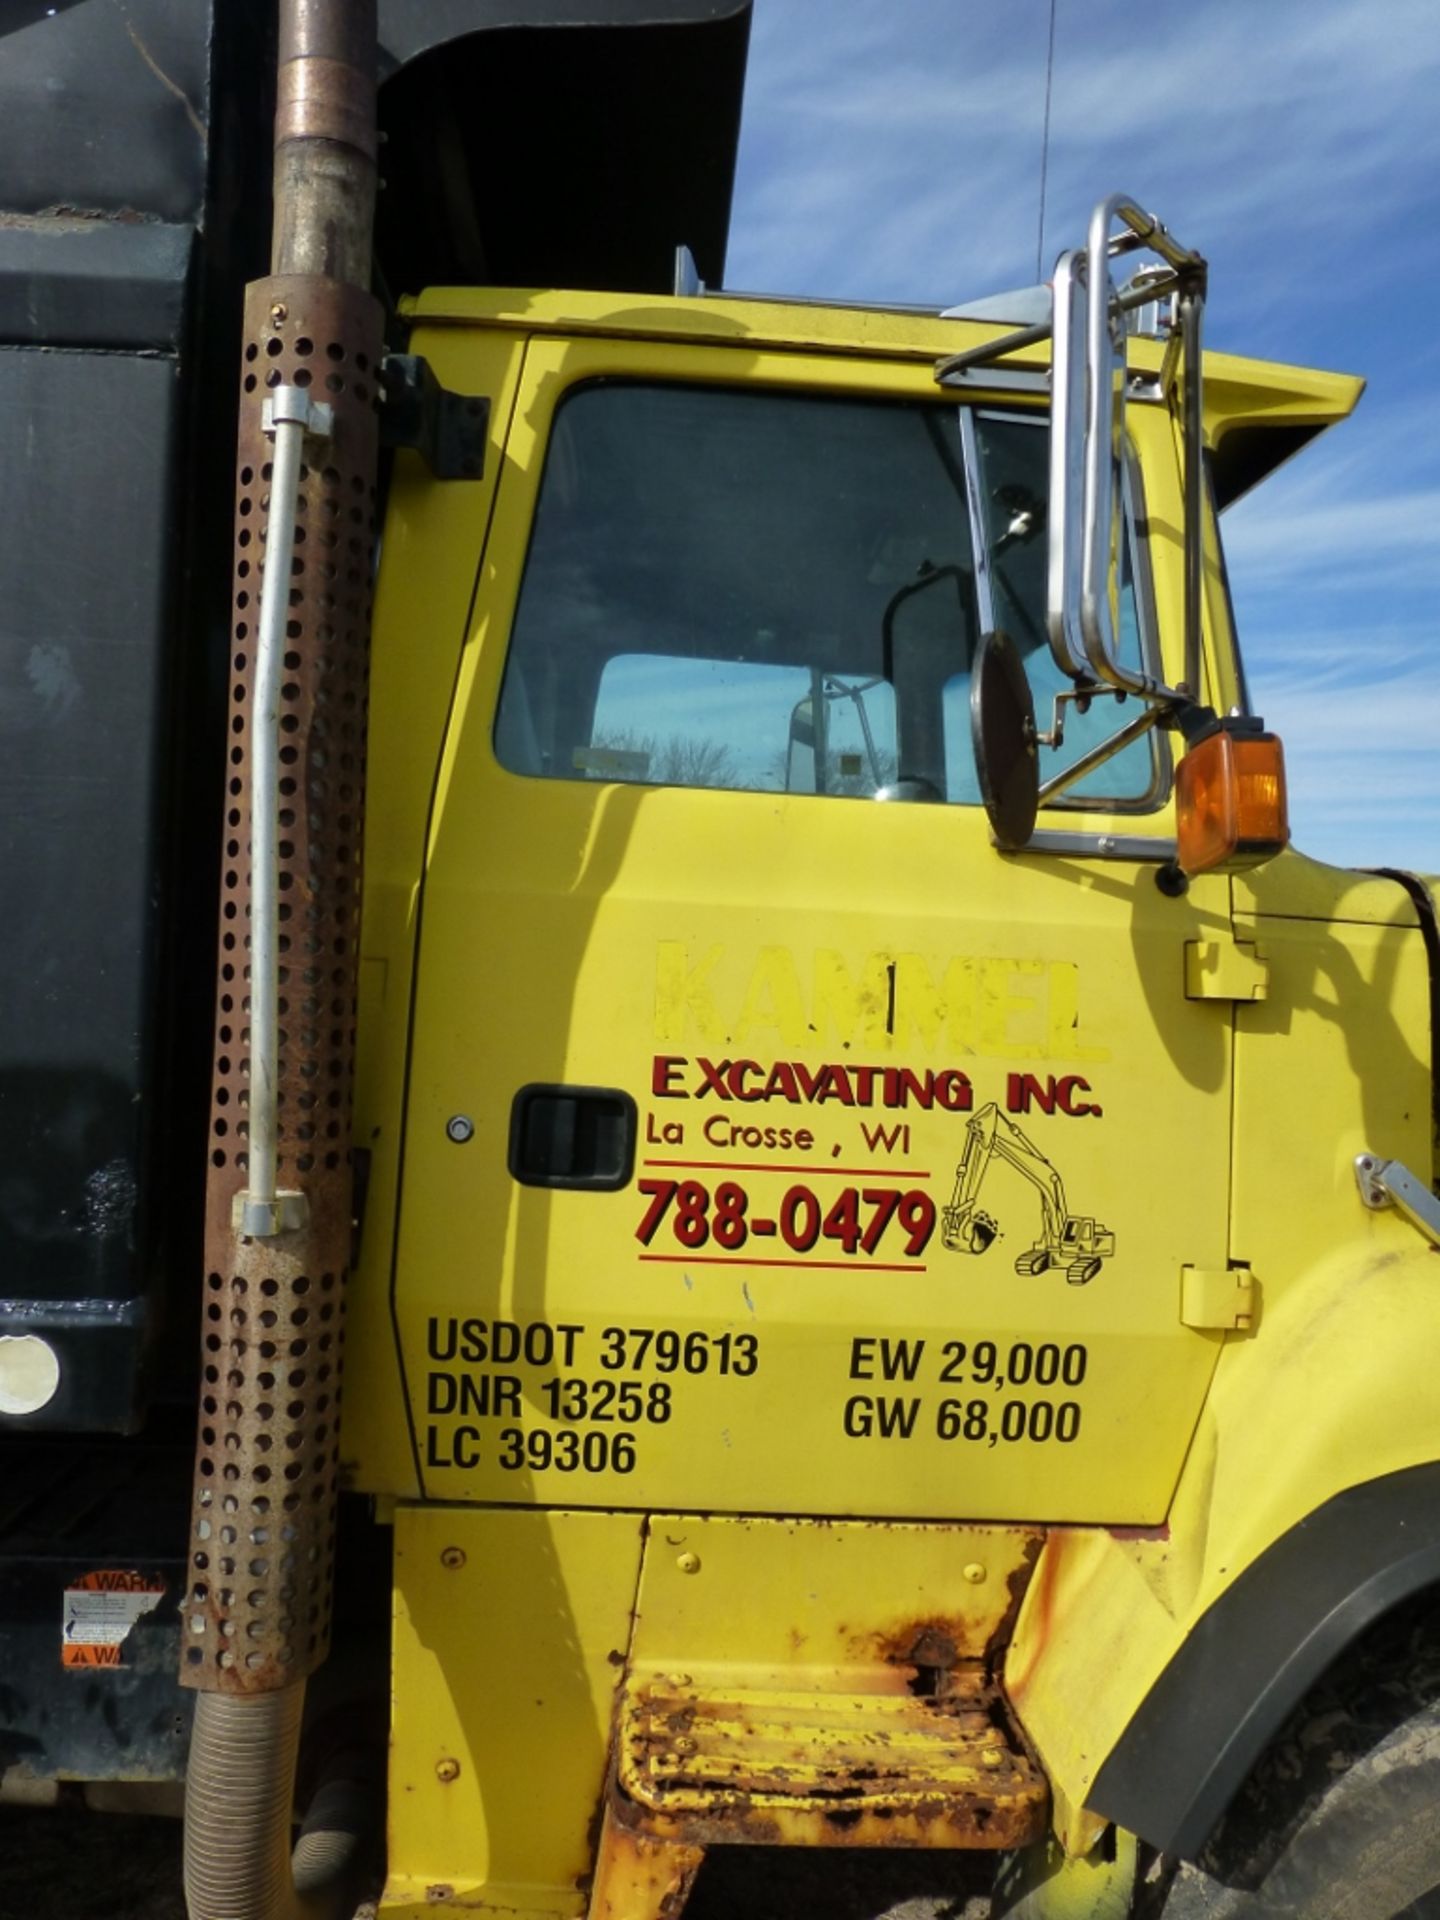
1340	1820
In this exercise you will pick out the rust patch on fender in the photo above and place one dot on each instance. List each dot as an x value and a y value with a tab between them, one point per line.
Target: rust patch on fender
1017	1585
639	1877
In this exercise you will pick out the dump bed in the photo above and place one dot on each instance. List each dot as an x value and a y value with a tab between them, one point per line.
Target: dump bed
580	142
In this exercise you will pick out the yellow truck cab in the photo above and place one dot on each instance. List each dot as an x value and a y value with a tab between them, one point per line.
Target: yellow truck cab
814	1244
879	1321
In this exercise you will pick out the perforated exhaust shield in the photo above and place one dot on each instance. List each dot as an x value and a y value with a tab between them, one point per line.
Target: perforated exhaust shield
262	1529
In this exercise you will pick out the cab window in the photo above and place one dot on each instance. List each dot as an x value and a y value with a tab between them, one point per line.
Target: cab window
777	593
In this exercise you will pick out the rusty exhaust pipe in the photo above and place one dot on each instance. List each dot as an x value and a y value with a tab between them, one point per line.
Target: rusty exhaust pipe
279	1194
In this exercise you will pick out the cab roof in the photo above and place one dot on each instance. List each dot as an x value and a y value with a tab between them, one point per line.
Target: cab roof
1258	412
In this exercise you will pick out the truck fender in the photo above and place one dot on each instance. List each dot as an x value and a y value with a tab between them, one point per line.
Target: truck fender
1255	1653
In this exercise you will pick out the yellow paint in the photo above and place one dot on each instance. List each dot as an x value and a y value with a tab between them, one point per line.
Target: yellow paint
1225	970
1221	1300
875	955
730	1765
995	1007
1238	391
1083	1884
431	549
1332	1384
840	1598
741	1722
698	948
505	1673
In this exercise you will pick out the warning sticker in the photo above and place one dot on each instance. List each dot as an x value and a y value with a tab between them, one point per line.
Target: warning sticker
100	1610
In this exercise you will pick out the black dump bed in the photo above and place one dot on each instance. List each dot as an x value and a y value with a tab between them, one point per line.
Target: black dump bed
530	143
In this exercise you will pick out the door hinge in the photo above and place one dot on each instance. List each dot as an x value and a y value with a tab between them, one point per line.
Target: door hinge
1217	1297
1225	970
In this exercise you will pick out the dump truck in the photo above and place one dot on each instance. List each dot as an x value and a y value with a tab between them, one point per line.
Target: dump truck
532	848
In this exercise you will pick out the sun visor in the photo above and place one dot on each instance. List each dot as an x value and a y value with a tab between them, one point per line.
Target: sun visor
572	143
1259	414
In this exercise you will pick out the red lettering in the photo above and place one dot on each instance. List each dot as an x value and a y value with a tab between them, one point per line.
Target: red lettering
848	1085
834	1084
808	1081
737	1077
714	1079
862	1079
907	1084
1024	1091
953	1091
781	1083
1065	1091
662	1076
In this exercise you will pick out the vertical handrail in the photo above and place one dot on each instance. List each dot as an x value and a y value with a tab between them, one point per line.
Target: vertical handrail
287	412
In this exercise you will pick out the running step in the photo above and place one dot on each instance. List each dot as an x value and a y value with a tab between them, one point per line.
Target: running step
705	1763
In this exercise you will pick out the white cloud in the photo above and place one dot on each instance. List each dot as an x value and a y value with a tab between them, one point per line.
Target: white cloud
1387	716
894	154
1360	719
1389	540
1251	125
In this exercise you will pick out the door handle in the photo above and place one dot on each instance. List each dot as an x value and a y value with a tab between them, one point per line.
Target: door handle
575	1137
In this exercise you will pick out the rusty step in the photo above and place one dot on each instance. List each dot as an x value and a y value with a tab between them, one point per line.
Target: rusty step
710	1762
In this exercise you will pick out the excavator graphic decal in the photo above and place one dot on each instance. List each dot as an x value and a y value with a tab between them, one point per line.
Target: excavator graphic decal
1067	1240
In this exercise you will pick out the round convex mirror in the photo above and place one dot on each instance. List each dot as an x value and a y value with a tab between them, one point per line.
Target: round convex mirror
1002	727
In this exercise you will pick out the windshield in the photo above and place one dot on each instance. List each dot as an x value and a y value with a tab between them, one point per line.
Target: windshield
777	592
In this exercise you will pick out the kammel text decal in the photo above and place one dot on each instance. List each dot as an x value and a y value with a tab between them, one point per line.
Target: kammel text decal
986	1006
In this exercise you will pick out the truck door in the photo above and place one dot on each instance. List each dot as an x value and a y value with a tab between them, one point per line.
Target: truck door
774	1144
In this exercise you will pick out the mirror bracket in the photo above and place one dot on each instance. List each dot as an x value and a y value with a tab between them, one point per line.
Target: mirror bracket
1080	696
1089	385
1090	382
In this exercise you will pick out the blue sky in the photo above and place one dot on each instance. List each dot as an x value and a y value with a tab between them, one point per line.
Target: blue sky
891	151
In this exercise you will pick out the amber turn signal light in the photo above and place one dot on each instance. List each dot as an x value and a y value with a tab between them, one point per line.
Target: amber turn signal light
1230	801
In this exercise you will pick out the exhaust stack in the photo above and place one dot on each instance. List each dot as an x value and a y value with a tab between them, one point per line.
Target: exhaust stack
279	1196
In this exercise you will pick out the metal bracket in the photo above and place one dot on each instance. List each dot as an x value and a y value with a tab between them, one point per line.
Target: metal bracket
256	1219
292	406
1389	1183
1221	1298
448	430
990	379
1225	970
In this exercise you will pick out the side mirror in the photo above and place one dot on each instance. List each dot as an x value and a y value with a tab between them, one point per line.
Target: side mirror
1002	729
